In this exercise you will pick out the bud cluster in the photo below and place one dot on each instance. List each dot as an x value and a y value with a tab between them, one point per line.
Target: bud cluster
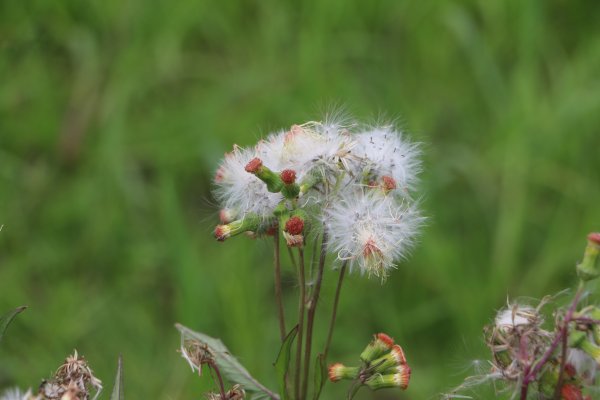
383	365
354	182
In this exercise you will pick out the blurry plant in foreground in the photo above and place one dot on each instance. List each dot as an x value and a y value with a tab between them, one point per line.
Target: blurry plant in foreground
324	188
530	361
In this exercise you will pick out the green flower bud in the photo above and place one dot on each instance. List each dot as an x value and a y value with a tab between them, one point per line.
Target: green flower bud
589	268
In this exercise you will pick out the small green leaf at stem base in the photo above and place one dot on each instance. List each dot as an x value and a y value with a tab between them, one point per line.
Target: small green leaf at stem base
320	375
117	393
282	363
7	318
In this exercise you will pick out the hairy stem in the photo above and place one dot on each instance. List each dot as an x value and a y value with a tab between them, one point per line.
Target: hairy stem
292	258
531	374
335	306
213	367
312	309
278	292
301	306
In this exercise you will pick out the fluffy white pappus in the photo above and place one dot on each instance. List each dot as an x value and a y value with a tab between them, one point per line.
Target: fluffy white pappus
239	190
384	152
15	394
307	146
371	231
517	315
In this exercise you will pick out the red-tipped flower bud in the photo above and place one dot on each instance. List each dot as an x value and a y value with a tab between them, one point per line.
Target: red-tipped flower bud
388	183
288	176
294	225
339	371
222	232
594	237
254	165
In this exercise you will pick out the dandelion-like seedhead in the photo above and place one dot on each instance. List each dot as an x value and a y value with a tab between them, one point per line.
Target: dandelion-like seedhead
357	184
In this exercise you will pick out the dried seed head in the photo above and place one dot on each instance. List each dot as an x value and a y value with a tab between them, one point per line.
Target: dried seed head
196	354
236	393
73	380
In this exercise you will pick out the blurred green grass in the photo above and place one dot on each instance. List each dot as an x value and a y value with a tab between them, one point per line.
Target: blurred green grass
113	116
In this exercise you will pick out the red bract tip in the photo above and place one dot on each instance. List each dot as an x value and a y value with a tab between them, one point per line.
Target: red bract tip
594	237
399	354
221	233
271	231
253	165
334	376
404	377
294	226
571	392
219	175
388	341
389	183
288	176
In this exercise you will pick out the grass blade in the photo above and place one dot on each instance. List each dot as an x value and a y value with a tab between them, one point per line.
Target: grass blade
7	318
117	393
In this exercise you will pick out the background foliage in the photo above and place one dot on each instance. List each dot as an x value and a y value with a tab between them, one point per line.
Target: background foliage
113	115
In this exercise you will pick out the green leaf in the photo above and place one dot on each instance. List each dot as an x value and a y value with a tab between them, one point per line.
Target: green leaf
117	393
320	375
228	365
7	318
282	363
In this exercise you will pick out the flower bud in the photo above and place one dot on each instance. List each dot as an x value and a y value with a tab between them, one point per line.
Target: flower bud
394	358
339	371
273	181
250	222
388	184
292	232
589	268
399	379
571	392
290	189
380	345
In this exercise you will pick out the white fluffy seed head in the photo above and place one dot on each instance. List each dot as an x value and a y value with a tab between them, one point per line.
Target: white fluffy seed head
384	152
370	231
515	316
239	190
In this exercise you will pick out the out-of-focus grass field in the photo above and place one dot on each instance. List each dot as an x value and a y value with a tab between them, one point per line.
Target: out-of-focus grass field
114	114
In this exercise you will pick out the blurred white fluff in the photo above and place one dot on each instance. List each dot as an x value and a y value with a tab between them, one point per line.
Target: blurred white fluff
15	394
370	230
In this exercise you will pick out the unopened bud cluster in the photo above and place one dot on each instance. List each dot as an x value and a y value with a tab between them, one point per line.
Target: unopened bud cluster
383	365
354	182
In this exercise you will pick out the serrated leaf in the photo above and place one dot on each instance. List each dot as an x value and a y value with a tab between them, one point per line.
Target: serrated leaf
282	363
117	393
228	365
320	375
7	318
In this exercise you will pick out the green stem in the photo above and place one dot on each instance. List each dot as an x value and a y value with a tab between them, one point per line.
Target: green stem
312	309
301	307
336	301
278	291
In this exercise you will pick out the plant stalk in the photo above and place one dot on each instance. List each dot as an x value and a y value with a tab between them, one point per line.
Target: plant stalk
278	291
301	307
312	309
335	307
